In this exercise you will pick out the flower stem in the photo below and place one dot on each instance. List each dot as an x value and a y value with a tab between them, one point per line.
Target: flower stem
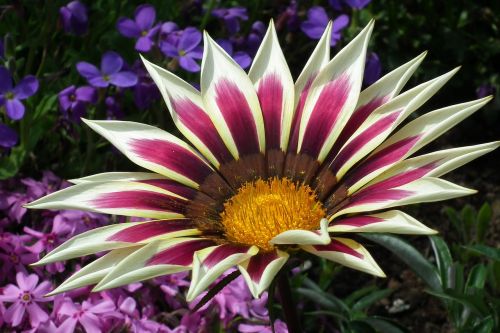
286	299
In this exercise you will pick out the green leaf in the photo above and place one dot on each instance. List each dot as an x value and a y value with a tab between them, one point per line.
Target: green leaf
383	325
9	165
455	221
476	278
371	298
469	218
484	250
483	221
443	257
485	326
356	295
410	256
474	302
326	301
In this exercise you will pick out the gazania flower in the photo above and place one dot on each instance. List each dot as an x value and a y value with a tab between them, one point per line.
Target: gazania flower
272	168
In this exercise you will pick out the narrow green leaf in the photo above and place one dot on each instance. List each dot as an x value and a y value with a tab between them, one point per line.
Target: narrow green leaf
443	257
410	256
483	221
469	218
476	278
326	301
371	298
356	295
383	325
455	220
484	250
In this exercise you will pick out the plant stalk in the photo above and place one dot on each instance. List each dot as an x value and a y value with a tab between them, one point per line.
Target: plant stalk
289	309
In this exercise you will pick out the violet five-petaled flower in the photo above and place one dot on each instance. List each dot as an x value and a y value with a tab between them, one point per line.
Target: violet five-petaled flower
11	96
8	137
317	20
141	27
111	72
25	297
186	49
88	314
73	101
74	18
231	17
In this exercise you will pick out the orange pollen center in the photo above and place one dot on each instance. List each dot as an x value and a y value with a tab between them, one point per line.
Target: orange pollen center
263	209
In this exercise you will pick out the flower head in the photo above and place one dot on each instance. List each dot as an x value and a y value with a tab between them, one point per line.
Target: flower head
277	167
74	18
74	101
25	297
11	96
111	72
141	27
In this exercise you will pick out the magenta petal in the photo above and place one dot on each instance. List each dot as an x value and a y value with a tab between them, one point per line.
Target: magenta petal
358	221
67	326
128	28
26	282
14	314
180	254
258	264
337	246
103	307
144	231
10	293
14	108
222	252
238	116
270	93
90	322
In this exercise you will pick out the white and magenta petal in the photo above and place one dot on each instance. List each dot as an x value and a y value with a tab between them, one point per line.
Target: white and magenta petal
392	221
210	263
303	237
155	149
380	196
95	271
260	270
119	236
274	84
187	110
158	258
332	98
118	176
231	100
348	253
316	62
157	198
409	139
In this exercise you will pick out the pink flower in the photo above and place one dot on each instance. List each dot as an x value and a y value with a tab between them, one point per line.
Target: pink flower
25	297
87	314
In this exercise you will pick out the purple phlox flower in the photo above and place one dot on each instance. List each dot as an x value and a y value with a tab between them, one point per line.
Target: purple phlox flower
354	4
141	27
111	72
8	137
25	297
373	69
81	221
13	205
279	327
482	91
60	231
317	20
242	58
14	255
11	96
231	17
233	300
113	108
89	315
186	50
255	37
132	317
74	18
73	101
145	92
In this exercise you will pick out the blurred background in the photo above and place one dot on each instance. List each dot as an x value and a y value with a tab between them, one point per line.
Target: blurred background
53	57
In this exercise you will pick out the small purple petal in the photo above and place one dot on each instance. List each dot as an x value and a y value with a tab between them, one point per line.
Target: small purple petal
14	108
226	45
243	59
189	64
86	94
128	28
87	70
111	63
123	79
26	88
5	80
99	82
197	53
8	139
145	16
144	44
340	23
169	50
190	38
373	69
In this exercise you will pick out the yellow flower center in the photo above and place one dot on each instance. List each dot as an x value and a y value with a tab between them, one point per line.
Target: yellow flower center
263	209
